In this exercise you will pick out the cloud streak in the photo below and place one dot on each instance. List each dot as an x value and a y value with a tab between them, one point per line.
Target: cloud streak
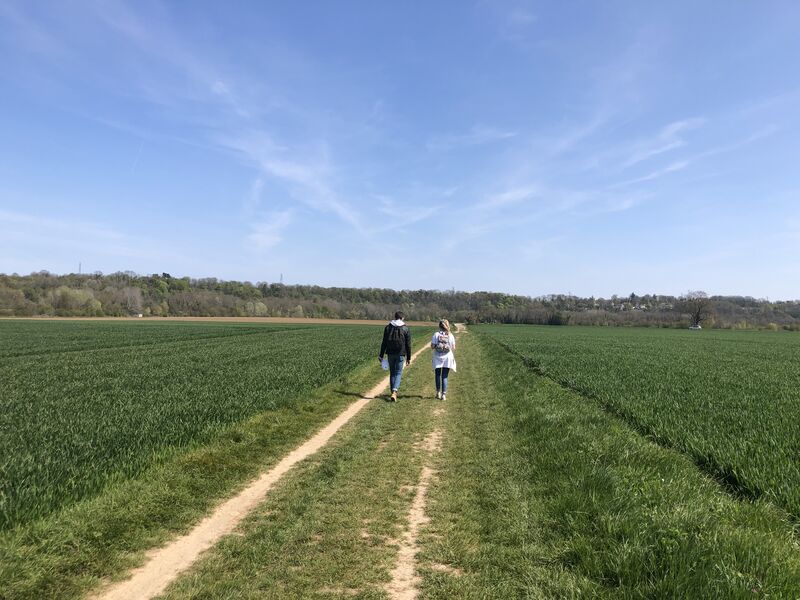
63	237
669	138
477	136
268	233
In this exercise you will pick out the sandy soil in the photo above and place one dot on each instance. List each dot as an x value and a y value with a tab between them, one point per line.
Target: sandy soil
164	564
405	581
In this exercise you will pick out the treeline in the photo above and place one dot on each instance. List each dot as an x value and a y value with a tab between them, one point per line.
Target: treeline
129	294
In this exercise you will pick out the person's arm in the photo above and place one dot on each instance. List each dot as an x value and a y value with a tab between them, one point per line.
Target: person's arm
434	340
383	343
408	346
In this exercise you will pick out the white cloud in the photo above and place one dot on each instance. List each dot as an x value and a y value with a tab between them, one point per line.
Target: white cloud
253	198
268	233
676	166
668	138
476	136
571	136
66	240
164	68
308	170
521	16
508	197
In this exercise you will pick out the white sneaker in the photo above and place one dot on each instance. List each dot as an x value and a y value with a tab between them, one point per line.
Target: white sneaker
444	396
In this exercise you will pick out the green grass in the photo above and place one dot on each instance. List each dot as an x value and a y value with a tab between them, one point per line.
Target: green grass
543	494
29	337
540	492
730	400
329	529
83	405
65	553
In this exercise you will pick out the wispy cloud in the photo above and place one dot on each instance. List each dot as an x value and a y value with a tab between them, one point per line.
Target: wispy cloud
521	16
31	35
669	138
59	237
571	136
761	134
508	197
168	71
268	233
671	168
396	215
514	22
476	136
309	177
252	199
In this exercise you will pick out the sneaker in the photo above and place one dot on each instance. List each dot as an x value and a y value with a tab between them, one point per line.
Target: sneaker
444	396
394	395
438	395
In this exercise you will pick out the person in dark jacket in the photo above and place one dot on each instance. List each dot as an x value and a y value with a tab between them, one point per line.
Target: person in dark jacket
396	346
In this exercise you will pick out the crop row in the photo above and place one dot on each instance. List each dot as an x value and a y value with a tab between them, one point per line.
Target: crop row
731	400
74	421
26	338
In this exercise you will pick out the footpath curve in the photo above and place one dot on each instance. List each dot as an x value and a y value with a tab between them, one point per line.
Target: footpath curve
163	565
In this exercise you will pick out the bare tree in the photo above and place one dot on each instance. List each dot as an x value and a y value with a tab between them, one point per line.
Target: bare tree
132	298
697	305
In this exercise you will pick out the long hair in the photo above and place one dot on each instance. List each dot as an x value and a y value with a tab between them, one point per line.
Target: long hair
444	325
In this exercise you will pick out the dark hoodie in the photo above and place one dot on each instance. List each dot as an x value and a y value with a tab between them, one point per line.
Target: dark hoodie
406	351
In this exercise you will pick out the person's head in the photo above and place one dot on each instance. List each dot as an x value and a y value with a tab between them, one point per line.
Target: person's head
399	315
444	325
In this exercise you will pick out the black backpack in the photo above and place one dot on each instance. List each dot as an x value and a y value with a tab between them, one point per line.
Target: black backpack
396	342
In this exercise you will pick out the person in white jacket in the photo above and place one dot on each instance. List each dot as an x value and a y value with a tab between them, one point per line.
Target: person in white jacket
443	343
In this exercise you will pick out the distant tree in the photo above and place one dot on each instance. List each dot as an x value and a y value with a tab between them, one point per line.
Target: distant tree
133	300
697	305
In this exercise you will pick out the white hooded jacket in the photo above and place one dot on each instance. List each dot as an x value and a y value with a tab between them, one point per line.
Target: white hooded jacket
444	360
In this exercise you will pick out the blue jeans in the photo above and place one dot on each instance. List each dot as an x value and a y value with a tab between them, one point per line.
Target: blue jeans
396	363
441	378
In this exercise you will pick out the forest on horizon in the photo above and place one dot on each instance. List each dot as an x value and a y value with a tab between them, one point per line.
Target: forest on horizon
129	294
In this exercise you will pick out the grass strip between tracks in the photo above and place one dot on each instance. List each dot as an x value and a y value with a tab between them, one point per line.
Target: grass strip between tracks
65	554
542	494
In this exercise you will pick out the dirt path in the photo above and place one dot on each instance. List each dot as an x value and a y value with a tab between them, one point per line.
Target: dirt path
405	581
164	564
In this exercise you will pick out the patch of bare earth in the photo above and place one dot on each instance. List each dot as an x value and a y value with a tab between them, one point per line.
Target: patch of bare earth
405	581
163	565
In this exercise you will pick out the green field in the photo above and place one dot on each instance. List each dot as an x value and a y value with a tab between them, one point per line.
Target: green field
569	464
730	400
85	404
538	494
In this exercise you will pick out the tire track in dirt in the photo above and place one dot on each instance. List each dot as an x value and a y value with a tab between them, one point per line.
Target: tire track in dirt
163	565
405	581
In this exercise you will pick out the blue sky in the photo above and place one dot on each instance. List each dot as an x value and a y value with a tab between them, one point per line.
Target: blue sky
527	147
